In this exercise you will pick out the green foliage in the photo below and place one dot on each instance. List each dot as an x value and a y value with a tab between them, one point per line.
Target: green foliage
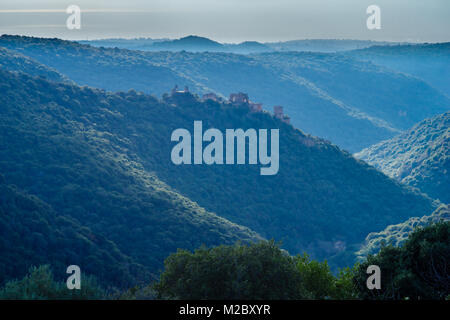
419	157
344	287
39	284
316	276
428	256
88	176
397	234
321	283
94	203
34	234
258	271
417	270
14	61
137	293
350	102
427	61
116	70
103	159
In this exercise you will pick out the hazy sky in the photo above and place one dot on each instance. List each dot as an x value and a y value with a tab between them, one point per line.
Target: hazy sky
230	20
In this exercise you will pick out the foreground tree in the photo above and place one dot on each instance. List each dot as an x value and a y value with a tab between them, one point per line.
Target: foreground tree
320	282
420	269
39	284
257	271
316	276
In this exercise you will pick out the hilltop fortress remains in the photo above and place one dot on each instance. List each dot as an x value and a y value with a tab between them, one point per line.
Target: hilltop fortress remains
238	99
242	98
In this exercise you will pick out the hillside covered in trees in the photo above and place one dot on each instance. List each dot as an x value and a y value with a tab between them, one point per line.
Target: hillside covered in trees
55	147
103	159
34	234
14	61
86	175
397	234
419	157
352	103
264	271
427	61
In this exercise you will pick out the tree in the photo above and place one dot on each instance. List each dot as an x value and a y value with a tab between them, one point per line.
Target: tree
417	270
257	271
316	276
39	284
344	288
322	284
429	258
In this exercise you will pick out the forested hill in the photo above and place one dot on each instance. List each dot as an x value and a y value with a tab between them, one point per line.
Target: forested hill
353	104
62	144
199	44
13	61
110	69
104	159
34	234
419	157
428	61
397	234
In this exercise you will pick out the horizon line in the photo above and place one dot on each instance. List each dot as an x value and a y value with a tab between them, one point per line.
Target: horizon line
265	42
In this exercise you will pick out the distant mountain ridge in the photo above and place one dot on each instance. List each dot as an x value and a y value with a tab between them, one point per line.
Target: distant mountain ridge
189	43
200	44
326	45
428	61
419	157
318	91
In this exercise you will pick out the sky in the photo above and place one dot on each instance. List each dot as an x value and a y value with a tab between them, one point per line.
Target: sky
230	21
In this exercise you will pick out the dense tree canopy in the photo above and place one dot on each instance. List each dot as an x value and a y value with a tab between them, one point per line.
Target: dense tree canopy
103	159
342	99
259	271
417	270
419	157
87	174
39	284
